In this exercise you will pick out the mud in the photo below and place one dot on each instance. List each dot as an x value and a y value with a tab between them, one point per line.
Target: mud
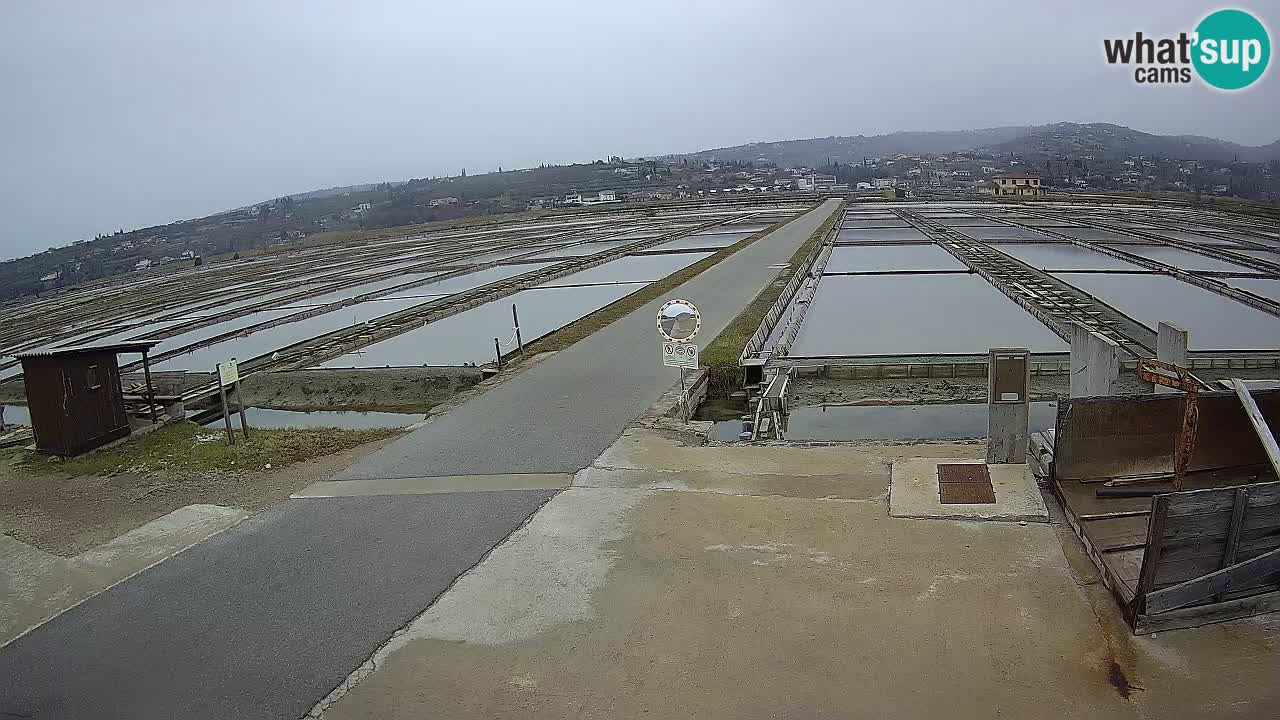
818	391
384	389
805	392
381	389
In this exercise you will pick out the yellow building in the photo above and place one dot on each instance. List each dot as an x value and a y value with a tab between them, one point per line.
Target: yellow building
1017	184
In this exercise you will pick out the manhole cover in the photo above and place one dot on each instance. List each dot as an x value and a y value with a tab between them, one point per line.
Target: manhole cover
965	484
964	473
966	493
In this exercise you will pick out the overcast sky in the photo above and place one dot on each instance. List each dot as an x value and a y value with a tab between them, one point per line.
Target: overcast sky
123	114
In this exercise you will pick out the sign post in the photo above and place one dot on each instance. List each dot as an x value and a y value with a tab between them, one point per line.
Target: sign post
229	376
678	322
226	414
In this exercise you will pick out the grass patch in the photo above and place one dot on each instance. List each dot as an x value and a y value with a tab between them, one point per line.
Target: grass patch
721	355
185	447
585	326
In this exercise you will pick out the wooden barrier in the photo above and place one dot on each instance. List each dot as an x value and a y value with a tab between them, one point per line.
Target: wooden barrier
1111	437
1211	555
1172	559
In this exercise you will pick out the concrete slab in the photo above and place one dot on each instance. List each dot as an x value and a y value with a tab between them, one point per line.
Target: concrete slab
158	540
36	586
845	486
645	449
913	493
620	603
433	485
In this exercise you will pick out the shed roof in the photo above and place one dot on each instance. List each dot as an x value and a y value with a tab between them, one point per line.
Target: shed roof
136	346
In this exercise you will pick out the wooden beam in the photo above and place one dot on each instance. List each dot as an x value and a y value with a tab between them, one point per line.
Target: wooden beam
1198	615
1113	515
1259	424
1232	543
1151	557
1183	594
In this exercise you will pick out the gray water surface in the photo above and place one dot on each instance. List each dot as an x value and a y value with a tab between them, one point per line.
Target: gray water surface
902	422
1215	322
1064	256
916	314
866	258
16	415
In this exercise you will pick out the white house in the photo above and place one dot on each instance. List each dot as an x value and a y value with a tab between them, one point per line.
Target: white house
881	183
815	182
864	186
142	265
1018	183
573	199
607	196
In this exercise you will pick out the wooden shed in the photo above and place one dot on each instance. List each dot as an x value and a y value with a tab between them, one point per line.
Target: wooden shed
75	398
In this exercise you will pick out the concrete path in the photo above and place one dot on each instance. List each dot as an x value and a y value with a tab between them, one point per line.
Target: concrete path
36	585
262	620
267	618
559	415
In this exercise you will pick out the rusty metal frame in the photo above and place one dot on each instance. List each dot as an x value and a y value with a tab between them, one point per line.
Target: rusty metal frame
1167	374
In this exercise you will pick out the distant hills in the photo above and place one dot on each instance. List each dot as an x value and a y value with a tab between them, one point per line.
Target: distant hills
1101	140
1114	142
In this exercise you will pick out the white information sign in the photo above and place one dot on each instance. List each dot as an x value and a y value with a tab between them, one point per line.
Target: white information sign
680	354
228	372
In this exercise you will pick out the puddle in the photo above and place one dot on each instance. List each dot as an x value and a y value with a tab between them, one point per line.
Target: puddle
727	414
902	422
269	419
15	415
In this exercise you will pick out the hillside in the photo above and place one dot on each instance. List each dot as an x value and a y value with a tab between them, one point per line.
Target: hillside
1102	140
1105	141
852	148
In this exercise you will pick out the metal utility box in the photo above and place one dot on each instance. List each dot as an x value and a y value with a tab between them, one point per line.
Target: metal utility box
1009	391
75	398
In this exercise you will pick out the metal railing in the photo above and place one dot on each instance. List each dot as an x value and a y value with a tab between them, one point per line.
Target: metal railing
779	307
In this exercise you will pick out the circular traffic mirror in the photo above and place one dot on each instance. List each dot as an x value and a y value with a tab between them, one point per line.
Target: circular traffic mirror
679	320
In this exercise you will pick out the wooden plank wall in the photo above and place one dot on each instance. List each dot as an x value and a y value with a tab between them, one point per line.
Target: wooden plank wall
1107	437
1196	533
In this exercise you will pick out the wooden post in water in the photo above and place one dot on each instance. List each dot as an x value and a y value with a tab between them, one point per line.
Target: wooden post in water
497	351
